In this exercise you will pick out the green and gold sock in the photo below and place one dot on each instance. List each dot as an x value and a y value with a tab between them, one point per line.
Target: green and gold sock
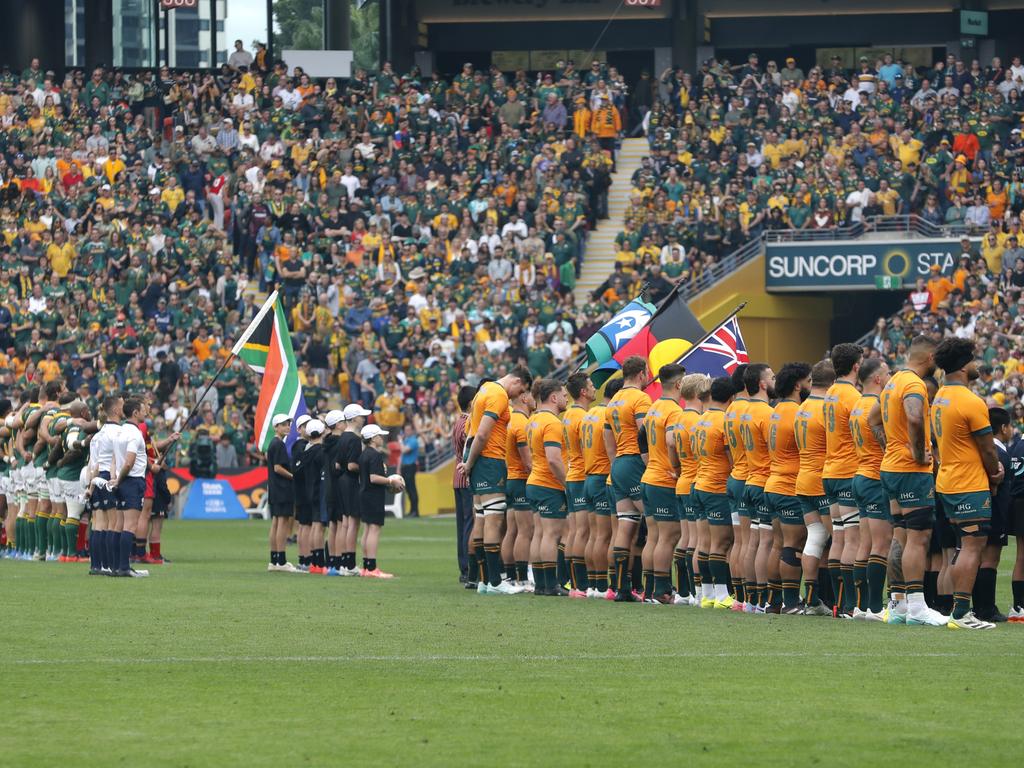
849	596
961	604
582	578
790	593
860	568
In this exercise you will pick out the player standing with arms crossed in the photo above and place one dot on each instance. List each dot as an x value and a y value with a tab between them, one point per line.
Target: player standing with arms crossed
969	468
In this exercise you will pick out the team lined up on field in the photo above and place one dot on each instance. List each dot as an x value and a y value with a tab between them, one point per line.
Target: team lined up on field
744	488
75	489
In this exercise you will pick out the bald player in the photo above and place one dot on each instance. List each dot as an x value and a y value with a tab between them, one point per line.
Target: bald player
694	391
581	390
792	386
809	430
837	475
906	474
969	470
515	547
873	504
661	476
485	467
624	418
755	422
597	466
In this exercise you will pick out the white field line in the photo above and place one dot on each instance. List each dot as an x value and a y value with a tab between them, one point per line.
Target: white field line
443	658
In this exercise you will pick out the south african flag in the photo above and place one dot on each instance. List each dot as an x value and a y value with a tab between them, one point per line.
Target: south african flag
266	347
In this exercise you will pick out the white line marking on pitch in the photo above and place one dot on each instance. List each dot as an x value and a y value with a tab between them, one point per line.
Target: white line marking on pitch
470	657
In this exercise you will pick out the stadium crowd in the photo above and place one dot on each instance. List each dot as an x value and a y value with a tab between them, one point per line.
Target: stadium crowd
428	231
737	150
421	230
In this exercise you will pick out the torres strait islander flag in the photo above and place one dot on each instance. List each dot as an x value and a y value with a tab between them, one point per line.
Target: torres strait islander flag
671	331
610	338
717	354
266	347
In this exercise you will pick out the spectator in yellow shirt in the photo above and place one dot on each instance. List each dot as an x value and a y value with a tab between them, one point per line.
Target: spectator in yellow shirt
61	254
172	196
388	408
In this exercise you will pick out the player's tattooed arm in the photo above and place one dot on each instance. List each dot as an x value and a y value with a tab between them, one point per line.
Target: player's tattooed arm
876	426
915	410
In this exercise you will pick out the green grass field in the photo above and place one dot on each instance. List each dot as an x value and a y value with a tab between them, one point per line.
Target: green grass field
215	662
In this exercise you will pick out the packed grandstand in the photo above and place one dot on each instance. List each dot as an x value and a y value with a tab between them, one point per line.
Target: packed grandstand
429	231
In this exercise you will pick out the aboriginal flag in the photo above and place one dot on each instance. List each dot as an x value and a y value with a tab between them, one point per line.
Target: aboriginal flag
670	332
717	354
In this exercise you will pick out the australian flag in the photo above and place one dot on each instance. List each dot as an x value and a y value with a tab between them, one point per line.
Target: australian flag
717	354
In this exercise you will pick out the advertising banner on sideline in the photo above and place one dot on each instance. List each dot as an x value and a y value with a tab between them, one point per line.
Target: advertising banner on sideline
210	499
857	265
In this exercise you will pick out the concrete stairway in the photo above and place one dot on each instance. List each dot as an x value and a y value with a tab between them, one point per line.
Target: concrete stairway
600	255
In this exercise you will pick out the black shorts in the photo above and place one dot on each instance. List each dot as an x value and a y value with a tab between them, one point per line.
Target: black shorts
372	515
349	490
129	492
304	514
161	495
282	509
943	532
1000	523
1015	525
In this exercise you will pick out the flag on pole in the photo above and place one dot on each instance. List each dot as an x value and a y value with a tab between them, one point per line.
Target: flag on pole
610	337
717	354
266	347
669	332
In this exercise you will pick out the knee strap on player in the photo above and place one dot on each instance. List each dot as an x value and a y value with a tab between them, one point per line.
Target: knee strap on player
633	517
816	538
478	510
899	521
493	507
919	520
979	530
789	557
850	520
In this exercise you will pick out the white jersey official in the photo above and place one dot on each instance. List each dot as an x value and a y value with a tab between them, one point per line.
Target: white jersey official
102	455
130	440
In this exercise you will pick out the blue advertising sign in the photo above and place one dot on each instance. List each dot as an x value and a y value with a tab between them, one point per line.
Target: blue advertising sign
845	265
210	499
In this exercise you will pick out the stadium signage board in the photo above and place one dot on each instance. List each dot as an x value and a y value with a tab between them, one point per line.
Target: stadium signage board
834	265
169	5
